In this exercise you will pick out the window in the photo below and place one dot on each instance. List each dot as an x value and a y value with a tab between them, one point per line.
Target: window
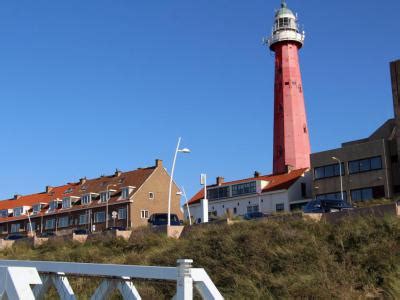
332	196
151	196
144	214
328	171
66	203
86	199
280	207
244	188
83	219
28	226
36	209
125	193
122	214
368	193
17	211
99	217
364	165
303	190
63	222
4	213
50	224
15	227
235	210
252	208
104	197
68	191
218	193
53	205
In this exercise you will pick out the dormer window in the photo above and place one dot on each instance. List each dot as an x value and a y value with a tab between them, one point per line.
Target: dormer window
36	208
105	196
66	202
86	199
126	191
17	211
4	213
53	205
68	191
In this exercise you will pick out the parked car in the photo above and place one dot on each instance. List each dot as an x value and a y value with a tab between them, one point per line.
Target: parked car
116	228
254	215
326	206
81	231
160	219
47	234
15	236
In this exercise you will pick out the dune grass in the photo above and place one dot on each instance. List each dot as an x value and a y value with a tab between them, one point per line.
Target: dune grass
274	259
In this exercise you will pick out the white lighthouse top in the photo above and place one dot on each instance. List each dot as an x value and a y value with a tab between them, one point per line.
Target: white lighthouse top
285	27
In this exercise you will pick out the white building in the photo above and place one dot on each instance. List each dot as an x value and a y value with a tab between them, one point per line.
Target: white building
268	194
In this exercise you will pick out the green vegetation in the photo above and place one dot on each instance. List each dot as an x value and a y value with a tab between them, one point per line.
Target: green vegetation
273	259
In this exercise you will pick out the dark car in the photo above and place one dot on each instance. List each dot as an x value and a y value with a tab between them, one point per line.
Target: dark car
162	219
121	228
15	236
326	206
47	234
254	215
81	231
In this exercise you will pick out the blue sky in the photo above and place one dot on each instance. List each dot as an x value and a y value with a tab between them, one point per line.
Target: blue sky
90	86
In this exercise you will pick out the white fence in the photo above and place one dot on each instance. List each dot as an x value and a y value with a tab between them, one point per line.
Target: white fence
31	279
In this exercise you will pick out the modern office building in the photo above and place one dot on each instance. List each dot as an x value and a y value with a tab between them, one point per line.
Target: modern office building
370	167
260	193
291	138
127	198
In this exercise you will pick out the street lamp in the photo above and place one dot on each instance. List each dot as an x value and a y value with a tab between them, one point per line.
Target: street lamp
108	198
184	150
340	171
187	204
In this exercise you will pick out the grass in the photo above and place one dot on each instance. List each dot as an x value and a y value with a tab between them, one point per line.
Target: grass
274	259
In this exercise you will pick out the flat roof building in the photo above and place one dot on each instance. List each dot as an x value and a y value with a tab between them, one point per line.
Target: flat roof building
369	167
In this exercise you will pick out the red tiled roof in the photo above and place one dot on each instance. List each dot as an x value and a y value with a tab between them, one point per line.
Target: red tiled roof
132	178
276	182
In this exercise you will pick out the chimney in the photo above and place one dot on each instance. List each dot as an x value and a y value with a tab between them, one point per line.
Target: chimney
159	163
220	180
117	173
16	197
82	181
48	189
256	174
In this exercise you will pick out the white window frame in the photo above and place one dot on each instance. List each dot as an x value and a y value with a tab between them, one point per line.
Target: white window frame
17	211
68	201
61	224
144	214
36	211
122	216
125	193
53	205
104	197
96	217
50	224
4	213
86	199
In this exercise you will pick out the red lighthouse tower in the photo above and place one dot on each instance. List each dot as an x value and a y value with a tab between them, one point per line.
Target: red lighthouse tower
291	140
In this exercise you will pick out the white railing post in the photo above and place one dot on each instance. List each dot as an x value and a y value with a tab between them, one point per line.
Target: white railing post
184	284
15	282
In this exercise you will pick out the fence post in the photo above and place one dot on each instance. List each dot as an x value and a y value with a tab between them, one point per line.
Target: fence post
184	283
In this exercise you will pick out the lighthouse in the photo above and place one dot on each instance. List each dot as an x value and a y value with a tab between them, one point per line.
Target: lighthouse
291	138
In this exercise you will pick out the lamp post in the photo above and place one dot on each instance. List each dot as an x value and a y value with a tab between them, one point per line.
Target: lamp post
187	204
108	198
184	150
30	223
340	171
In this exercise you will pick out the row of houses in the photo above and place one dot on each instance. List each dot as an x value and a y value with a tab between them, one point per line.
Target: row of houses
124	199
